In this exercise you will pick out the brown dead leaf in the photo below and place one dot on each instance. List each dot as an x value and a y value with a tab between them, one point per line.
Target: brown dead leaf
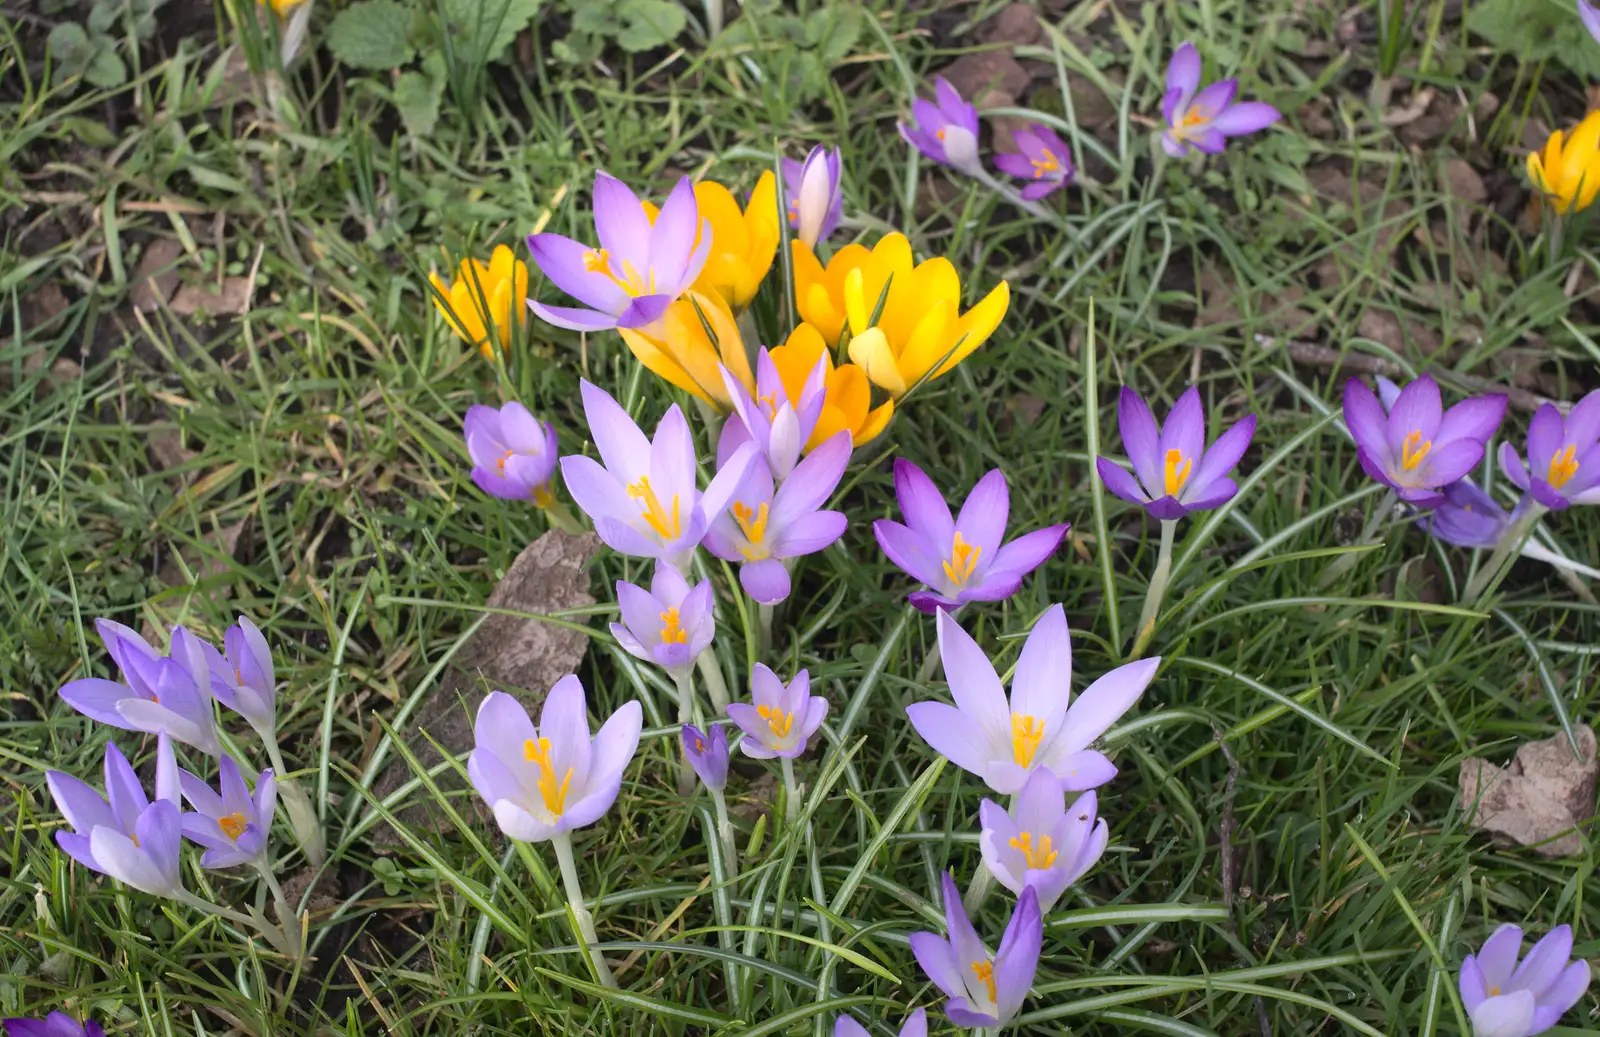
156	276
167	449
234	298
1411	111
759	798
1544	792
1411	337
42	305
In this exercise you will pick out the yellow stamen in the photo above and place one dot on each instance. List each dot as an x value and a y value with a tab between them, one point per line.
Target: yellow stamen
1026	734
770	403
1038	857
655	515
1193	118
963	559
672	633
500	463
984	970
1563	467
1177	473
754	526
1048	164
1494	991
554	794
939	134
232	826
598	261
699	745
1413	450
779	721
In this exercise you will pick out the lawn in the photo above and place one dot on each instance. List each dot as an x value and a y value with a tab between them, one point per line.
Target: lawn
225	389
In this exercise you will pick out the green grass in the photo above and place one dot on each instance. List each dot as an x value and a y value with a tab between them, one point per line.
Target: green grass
1316	732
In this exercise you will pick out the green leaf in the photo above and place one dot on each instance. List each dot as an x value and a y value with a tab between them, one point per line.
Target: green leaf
483	29
416	96
833	31
643	24
371	34
1537	30
106	69
69	46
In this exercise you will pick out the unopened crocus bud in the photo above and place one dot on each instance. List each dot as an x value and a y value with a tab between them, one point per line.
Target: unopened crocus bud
813	192
707	752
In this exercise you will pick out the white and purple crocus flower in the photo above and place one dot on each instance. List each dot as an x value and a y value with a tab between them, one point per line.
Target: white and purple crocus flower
779	429
812	190
916	1025
1418	448
1173	471
670	624
707	753
642	493
513	453
945	130
1206	118
125	834
1042	843
1563	466
161	695
1591	18
1041	157
960	560
985	990
230	822
1003	742
781	718
243	678
1506	999
640	266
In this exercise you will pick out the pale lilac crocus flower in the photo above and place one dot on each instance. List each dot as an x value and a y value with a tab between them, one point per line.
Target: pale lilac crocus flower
1173	471
513	453
916	1025
1563	466
780	719
1418	447
125	835
763	529
1505	999
670	624
946	130
812	189
778	427
1041	844
960	560
642	494
1041	157
1206	118
56	1024
162	695
243	679
707	753
985	990
231	823
1041	726
640	267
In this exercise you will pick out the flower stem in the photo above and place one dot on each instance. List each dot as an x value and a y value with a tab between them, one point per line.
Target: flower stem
978	889
562	518
580	914
791	792
763	629
1157	591
303	817
1369	532
730	852
287	919
277	938
711	673
686	714
1510	543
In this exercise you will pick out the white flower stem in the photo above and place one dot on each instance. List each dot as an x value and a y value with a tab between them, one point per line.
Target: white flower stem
303	817
1510	543
730	852
686	714
791	792
978	889
287	919
763	629
562	518
1157	591
711	673
276	937
580	914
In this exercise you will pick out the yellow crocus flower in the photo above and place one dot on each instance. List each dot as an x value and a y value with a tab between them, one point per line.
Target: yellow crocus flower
482	295
1568	172
847	402
819	290
743	241
677	348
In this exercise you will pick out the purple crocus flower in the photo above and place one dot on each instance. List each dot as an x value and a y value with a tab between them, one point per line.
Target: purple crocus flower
1563	456
1173	472
762	529
643	498
1505	999
546	781
960	560
640	267
231	823
513	453
916	1025
707	753
778	427
1591	17
56	1024
170	695
125	835
946	131
812	188
669	624
1206	118
779	720
1042	157
1040	727
1417	447
1042	844
985	990
1468	517
243	679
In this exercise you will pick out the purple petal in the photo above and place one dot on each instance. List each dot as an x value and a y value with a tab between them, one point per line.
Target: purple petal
1103	703
1040	189
938	962
812	481
1220	459
1210	102
1418	409
572	318
1218	493
754	727
973	683
1591	18
1546	433
1083	770
810	534
673	238
616	742
1498	957
1018	957
908	550
766	581
930	603
1184	431
1365	417
1583	422
1471	984
1172	145
1545	962
922	504
620	222
960	1011
564	719
502	728
97	698
1141	437
1567	988
1029	551
1451	461
80	804
1014	164
1476	418
563	261
982	521
729	481
1041	686
1509	1015
951	734
1183	76
1245	117
1209	140
644	311
1119	482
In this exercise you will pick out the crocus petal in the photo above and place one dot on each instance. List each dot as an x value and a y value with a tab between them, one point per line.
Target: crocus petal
951	734
1141	438
502	727
1029	551
1184	431
1451	461
1183	73
1418	409
1119	482
922	504
1041	686
572	318
1471	984
1565	990
563	261
1220	459
97	698
1083	770
1545	962
938	962
80	804
673	238
1245	117
908	550
1498	957
766	581
812	482
1476	418
1103	703
1018	957
620	222
982	521
973	683
1365	417
1509	1015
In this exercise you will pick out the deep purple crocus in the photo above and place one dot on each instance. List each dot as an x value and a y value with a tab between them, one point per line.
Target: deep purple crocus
960	560
1042	843
1418	448
916	1025
1563	466
124	834
1173	471
243	678
946	130
707	753
779	427
640	267
231	822
56	1024
161	694
1206	118
985	990
779	719
670	624
513	453
1506	999
812	189
1041	157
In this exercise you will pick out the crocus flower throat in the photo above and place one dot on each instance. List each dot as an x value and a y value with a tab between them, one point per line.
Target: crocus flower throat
537	751
653	513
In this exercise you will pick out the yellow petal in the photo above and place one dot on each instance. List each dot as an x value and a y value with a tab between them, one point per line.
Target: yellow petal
977	324
1536	173
729	345
1590	183
761	233
1552	151
500	309
469	315
875	423
855	301
929	341
659	363
501	265
830	422
870	350
844	407
821	313
910	299
797	358
519	290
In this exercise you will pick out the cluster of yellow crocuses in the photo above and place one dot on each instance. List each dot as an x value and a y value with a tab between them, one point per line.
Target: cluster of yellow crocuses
872	316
